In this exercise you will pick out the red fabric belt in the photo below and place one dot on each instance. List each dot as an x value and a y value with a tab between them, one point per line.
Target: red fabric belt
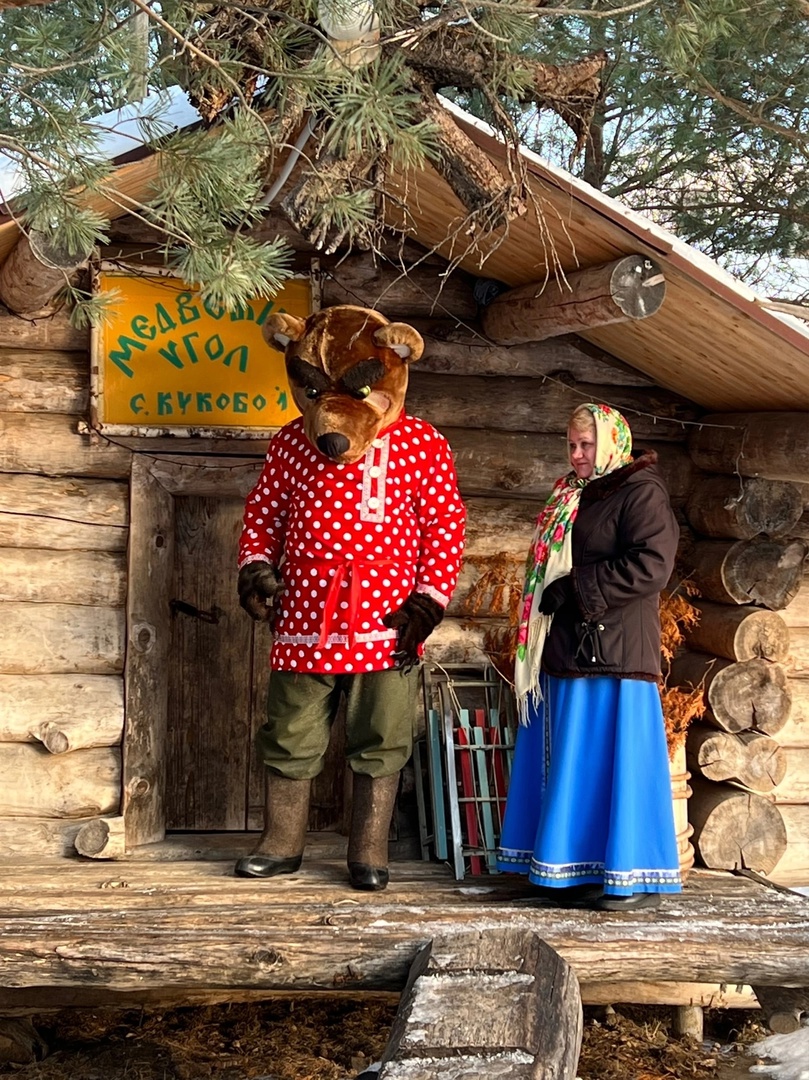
347	568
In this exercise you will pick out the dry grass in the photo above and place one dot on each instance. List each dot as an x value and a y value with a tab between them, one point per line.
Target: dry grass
334	1039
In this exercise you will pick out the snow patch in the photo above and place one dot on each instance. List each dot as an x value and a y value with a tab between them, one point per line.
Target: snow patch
789	1054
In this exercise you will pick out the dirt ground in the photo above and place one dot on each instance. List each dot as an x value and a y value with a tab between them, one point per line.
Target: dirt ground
335	1039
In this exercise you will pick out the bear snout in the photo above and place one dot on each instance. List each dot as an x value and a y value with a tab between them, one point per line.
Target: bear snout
332	444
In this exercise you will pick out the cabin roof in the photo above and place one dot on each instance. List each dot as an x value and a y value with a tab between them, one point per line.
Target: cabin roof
714	340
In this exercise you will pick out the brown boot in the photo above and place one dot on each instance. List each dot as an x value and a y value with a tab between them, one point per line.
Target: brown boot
371	813
286	814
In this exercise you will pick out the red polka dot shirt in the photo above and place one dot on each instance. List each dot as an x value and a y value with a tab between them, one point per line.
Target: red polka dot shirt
355	539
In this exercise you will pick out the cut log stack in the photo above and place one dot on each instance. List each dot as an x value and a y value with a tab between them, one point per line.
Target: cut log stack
749	756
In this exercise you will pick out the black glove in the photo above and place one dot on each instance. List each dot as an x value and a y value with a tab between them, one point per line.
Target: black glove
415	620
259	586
556	594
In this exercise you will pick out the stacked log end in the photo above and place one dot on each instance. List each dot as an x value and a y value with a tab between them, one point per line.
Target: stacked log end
749	755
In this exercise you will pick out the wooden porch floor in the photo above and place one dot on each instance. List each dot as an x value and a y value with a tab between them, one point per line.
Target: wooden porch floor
174	917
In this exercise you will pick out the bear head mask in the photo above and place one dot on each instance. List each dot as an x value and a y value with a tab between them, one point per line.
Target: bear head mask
347	369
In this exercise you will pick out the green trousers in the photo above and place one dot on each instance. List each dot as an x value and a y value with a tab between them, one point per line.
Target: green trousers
380	718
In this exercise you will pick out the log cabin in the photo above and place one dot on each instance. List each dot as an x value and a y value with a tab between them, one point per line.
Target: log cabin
131	682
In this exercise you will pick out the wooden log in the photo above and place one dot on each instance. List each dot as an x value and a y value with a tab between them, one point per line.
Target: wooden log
795	731
797	663
510	404
52	331
63	712
773	445
796	613
751	695
782	1007
628	289
61	639
801	526
38	381
63	513
756	571
451	1008
488	586
63	577
38	784
50	444
735	829
37	268
755	761
687	1022
794	786
494	526
102	838
706	995
739	633
517	464
793	866
420	291
38	836
452	348
726	506
459	641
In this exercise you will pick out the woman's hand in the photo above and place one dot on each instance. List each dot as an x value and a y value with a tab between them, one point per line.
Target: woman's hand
559	592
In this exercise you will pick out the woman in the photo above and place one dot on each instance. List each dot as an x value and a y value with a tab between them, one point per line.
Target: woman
589	812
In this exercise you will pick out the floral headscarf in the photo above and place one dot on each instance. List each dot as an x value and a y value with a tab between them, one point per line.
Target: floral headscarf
550	553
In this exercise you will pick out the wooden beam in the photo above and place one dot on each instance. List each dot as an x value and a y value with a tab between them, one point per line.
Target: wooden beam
628	289
35	271
773	445
151	558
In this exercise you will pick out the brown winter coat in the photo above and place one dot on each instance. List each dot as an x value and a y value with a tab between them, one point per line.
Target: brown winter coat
624	544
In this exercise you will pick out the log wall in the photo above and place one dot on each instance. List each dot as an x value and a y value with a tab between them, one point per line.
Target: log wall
64	523
65	516
747	554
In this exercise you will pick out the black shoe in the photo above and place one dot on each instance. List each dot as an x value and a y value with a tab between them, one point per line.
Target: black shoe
368	878
634	902
262	866
571	895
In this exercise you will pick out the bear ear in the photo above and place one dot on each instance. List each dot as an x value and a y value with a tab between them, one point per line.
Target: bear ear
403	339
282	328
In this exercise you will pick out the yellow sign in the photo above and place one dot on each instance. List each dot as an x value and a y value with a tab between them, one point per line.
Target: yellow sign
169	359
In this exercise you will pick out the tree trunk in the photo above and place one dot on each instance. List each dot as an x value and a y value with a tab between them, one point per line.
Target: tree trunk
740	633
735	829
756	571
752	695
628	289
752	760
772	445
725	506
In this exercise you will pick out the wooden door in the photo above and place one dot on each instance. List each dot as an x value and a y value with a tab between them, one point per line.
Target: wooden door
217	686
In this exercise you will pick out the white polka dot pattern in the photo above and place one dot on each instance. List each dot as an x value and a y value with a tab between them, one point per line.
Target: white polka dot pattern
356	541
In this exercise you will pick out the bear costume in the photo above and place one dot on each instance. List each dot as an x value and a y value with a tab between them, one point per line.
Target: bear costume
351	548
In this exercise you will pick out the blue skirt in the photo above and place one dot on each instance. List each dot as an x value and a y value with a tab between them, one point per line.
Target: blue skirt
590	795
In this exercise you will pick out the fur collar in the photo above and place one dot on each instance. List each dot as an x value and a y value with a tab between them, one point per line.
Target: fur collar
603	486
